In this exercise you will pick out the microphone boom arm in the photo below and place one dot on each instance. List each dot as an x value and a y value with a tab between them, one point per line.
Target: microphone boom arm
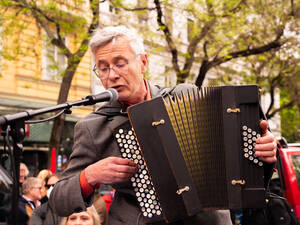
13	132
108	95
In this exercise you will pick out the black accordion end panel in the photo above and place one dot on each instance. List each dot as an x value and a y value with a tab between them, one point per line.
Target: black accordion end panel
198	149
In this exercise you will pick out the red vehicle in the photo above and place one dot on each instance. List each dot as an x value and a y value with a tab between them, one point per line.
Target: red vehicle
290	171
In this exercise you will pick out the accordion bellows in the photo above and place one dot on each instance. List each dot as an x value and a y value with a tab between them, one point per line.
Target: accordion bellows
198	147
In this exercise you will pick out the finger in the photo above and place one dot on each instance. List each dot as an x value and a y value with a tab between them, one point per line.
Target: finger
122	161
268	145
264	127
120	176
268	159
126	168
268	138
268	153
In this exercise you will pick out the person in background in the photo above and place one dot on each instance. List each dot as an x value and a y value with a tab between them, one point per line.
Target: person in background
120	63
44	176
24	172
100	207
88	217
44	215
31	190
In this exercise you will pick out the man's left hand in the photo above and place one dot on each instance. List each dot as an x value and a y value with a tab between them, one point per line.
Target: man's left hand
266	146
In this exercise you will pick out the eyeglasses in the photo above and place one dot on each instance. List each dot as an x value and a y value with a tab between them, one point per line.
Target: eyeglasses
121	68
49	185
37	188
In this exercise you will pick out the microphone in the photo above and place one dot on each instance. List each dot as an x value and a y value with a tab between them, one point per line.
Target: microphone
106	96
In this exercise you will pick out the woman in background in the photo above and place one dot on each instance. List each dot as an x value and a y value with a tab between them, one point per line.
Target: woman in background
88	217
44	176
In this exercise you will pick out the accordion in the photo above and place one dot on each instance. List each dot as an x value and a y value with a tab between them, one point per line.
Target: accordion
195	150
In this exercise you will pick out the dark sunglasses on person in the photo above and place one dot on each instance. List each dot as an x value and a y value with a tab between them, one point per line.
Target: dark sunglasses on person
49	185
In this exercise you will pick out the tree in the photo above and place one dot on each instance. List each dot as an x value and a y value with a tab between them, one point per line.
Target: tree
57	23
275	72
218	31
252	41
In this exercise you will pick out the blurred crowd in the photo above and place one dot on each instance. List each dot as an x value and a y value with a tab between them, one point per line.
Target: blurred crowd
33	207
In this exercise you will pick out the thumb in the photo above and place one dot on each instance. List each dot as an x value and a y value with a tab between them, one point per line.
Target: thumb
264	126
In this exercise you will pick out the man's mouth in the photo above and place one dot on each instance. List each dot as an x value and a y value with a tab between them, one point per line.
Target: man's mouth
117	87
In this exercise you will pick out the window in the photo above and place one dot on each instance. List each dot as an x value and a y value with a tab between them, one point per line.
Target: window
296	166
54	62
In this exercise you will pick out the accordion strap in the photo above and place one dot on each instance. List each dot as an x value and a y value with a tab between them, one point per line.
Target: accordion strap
121	110
111	111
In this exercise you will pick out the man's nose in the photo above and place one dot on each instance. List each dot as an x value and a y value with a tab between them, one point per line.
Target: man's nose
112	73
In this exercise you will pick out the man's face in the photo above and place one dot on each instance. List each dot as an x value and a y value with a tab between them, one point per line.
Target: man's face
22	173
130	87
35	192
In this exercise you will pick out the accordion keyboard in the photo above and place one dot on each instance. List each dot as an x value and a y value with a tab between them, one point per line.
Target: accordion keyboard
141	182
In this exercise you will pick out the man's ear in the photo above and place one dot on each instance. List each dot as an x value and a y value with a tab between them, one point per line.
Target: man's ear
144	60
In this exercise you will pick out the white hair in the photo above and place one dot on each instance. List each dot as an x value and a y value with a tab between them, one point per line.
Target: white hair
25	168
103	36
29	183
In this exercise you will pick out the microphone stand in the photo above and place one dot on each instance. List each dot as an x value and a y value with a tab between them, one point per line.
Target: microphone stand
13	132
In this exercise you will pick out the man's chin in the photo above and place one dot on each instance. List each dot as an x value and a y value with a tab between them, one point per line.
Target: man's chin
122	97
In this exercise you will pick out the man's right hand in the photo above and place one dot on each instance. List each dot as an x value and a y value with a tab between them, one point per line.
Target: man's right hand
110	170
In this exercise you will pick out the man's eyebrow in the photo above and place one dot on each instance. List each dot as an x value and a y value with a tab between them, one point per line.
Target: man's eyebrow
116	58
101	61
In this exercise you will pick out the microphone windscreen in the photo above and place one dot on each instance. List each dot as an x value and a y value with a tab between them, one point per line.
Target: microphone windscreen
114	94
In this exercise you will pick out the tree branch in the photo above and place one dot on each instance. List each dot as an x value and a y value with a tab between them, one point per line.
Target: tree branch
276	43
273	84
193	46
94	7
287	105
168	36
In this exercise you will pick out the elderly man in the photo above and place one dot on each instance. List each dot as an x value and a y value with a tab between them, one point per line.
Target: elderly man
120	63
24	172
31	194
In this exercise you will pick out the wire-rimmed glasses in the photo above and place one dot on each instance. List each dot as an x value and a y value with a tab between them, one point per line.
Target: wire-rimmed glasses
121	68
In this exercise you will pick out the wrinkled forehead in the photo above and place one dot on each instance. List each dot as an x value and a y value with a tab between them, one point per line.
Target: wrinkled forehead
84	213
115	48
117	41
